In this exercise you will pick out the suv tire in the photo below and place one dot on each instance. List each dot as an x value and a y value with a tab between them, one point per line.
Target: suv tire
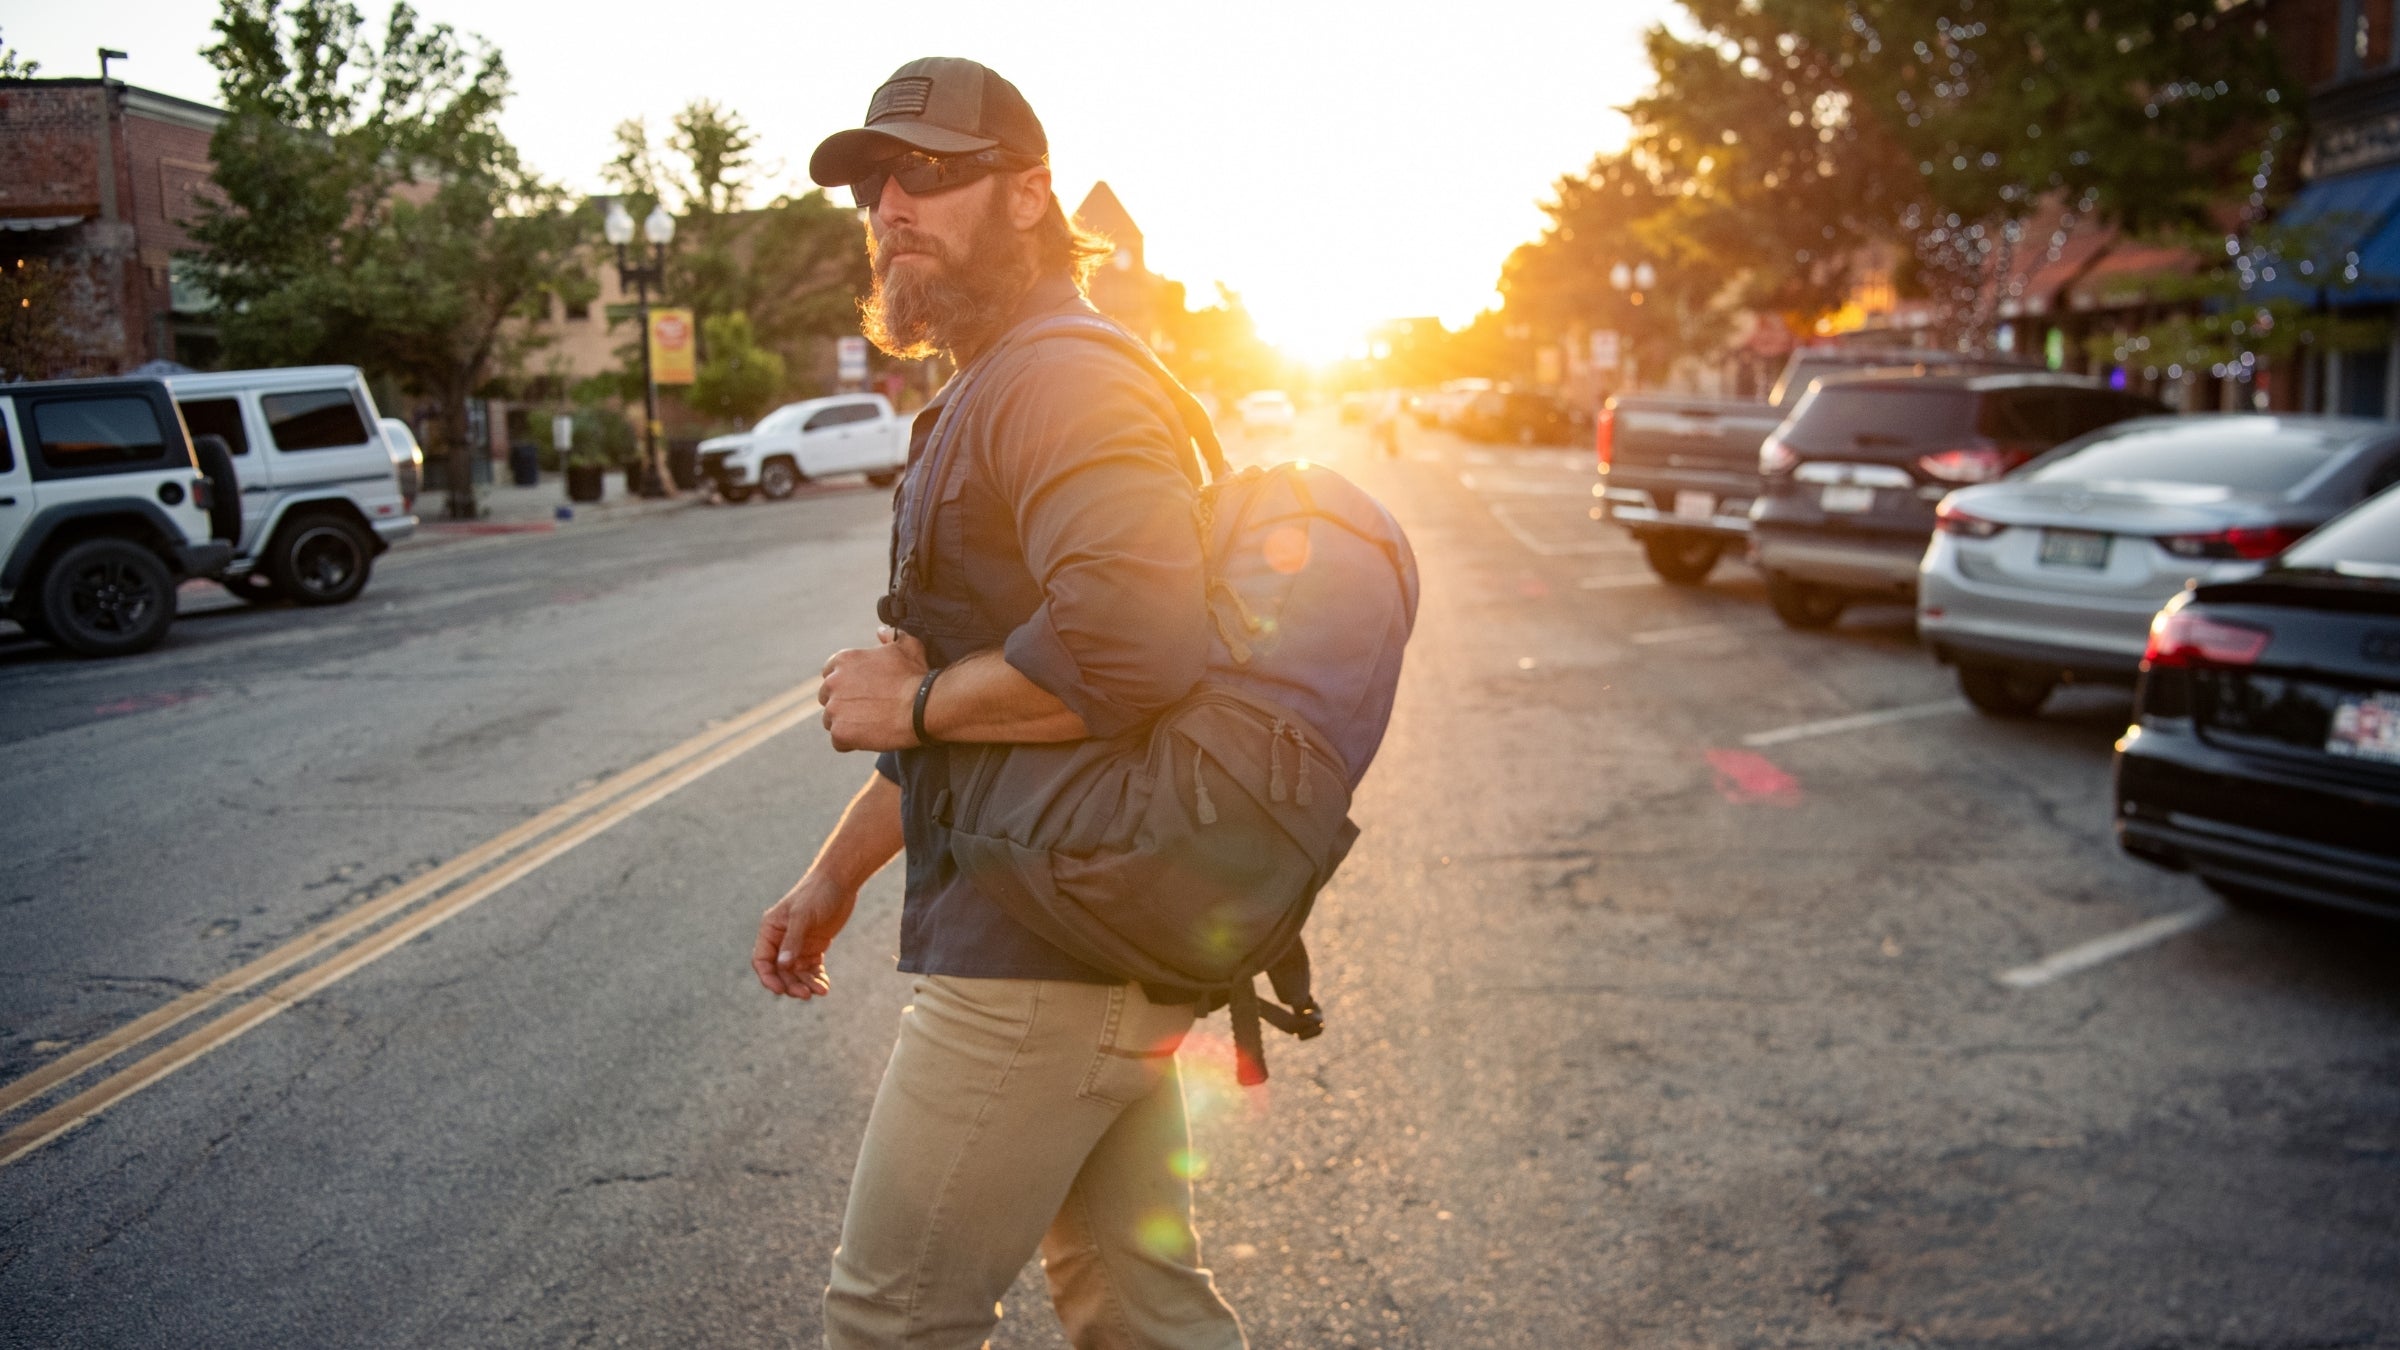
883	478
1682	559
320	560
734	494
1804	604
2005	691
107	597
777	479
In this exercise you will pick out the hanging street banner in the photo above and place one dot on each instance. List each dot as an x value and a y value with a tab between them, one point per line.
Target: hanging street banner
673	359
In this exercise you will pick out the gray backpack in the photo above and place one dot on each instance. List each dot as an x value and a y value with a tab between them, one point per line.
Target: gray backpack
1187	854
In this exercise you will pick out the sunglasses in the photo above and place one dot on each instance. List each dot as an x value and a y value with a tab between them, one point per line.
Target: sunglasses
922	175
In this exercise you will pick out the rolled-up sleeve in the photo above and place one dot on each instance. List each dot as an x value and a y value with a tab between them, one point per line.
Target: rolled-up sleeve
1089	449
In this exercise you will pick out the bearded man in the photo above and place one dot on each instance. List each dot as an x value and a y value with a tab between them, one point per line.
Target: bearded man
1032	1101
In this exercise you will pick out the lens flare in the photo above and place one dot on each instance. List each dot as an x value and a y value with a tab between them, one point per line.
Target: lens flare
1188	1164
1287	549
1163	1234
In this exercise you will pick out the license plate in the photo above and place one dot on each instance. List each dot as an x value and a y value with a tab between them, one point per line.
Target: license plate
2074	548
2366	726
1695	505
1847	497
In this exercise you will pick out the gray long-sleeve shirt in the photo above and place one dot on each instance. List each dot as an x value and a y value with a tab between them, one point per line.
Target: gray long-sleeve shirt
1066	538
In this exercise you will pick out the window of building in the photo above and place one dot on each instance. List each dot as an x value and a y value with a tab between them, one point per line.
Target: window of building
314	419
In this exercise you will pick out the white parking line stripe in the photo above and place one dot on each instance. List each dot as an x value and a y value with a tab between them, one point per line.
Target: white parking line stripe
1834	726
1548	550
1698	630
2109	948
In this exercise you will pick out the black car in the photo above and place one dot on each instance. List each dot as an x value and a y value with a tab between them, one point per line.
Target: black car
1519	417
2265	749
1852	476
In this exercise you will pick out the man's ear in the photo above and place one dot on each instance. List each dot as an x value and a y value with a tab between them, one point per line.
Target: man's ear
1029	197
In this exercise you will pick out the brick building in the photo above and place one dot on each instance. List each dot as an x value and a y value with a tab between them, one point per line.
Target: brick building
96	181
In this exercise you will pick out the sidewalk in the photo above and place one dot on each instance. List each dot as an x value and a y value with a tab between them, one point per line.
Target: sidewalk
539	509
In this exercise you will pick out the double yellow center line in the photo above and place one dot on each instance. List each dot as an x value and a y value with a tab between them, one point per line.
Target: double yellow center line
452	888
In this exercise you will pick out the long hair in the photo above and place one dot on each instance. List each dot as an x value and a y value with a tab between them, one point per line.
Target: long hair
1061	245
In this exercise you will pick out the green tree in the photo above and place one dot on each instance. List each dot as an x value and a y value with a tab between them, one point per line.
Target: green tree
738	380
372	212
14	66
1799	131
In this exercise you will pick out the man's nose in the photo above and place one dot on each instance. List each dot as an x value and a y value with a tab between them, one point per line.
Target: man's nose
895	206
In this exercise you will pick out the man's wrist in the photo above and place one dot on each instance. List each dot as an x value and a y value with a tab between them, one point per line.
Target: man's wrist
916	715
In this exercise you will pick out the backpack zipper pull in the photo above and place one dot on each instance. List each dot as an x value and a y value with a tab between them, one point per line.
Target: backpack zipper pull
1300	791
1275	788
1201	805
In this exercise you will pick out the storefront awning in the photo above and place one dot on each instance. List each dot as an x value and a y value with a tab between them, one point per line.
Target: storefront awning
2332	219
31	224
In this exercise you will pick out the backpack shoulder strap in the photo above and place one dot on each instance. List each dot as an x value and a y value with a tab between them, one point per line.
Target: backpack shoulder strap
1196	424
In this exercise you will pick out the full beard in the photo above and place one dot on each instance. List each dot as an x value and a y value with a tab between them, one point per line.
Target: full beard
954	303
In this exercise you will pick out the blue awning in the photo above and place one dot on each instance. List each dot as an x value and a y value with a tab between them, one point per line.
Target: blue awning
2353	214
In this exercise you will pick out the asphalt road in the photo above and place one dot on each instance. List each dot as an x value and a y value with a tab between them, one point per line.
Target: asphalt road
1665	983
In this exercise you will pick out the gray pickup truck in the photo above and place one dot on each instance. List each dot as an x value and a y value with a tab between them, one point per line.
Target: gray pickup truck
1680	472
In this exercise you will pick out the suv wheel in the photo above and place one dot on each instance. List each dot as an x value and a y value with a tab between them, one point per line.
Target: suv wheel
1682	559
883	478
776	479
1804	604
2004	691
321	560
107	597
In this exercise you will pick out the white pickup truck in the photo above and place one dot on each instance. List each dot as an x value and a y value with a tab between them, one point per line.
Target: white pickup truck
816	438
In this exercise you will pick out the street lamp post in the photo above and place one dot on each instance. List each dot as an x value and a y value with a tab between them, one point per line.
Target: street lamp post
659	229
1632	281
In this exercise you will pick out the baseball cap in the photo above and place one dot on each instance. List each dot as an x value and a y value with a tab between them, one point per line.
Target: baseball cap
944	105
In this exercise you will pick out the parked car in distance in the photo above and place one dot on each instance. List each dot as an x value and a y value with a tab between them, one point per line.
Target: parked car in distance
1268	412
1440	409
1517	417
1851	477
2054	572
2265	749
1679	472
321	495
814	438
104	508
408	458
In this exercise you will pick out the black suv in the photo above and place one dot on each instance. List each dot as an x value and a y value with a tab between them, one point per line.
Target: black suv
1852	476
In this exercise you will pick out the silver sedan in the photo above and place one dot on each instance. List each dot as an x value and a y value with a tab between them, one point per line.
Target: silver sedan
2054	572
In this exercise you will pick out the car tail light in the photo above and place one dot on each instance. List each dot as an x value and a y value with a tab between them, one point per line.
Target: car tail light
1607	438
2178	637
2247	542
1949	519
200	494
1775	457
1969	466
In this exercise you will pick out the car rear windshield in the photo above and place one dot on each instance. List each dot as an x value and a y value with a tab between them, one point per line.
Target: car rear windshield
316	419
2245	459
87	432
1836	420
2368	534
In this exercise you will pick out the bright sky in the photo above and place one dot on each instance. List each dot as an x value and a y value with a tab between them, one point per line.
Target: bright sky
1337	162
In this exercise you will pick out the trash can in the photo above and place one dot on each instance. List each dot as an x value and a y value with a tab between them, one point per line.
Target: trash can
525	463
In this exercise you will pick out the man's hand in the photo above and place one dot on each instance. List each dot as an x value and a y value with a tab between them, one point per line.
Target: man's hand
794	933
870	692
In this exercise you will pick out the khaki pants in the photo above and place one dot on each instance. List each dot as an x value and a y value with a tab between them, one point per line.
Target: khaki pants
1017	1114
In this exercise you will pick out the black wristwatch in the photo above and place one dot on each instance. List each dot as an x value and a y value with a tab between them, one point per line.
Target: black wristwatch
916	716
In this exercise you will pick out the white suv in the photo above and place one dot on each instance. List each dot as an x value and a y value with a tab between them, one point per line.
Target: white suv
103	509
321	494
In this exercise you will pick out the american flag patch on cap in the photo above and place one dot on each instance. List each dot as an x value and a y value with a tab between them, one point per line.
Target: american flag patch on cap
904	97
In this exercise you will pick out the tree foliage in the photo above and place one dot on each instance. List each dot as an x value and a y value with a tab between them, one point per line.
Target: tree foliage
37	341
371	211
14	66
1786	140
739	380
